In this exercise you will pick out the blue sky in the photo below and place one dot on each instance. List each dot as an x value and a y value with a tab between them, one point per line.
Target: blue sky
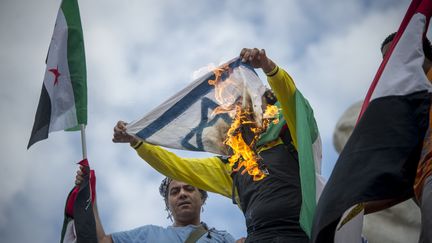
140	52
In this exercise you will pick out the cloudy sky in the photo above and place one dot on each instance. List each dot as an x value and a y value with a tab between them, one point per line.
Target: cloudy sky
140	52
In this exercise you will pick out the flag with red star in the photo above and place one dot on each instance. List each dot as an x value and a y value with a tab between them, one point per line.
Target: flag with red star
63	100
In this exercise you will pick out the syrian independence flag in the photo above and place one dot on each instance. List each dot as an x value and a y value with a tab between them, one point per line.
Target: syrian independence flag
380	158
79	223
198	117
63	100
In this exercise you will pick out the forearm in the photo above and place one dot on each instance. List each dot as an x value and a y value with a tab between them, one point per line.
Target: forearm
284	88
102	237
268	66
209	174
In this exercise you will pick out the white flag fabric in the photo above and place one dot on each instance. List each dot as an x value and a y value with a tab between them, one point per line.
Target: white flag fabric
198	117
63	100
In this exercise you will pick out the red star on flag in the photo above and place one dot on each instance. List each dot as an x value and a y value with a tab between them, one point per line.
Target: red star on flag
56	74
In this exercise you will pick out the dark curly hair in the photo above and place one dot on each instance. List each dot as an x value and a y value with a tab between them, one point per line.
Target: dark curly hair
427	48
163	190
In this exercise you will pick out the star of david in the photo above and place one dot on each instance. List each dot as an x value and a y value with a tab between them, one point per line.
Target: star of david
206	104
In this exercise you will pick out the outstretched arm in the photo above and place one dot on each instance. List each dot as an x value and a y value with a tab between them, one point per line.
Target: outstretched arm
280	81
102	237
209	174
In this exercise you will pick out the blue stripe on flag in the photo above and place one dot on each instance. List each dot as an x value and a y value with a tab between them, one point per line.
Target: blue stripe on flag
182	105
206	104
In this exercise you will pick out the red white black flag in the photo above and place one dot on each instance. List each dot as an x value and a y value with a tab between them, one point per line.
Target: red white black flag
79	223
380	158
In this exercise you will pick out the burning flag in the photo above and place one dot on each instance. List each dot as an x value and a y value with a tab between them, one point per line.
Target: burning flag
222	113
63	100
380	158
199	117
245	129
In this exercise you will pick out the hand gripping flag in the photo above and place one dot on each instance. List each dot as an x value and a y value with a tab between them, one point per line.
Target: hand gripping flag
198	117
380	158
63	100
79	223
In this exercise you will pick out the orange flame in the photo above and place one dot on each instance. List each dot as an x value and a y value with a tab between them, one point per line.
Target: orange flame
227	94
271	113
243	154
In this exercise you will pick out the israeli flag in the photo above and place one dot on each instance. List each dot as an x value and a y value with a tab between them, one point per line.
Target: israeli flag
198	117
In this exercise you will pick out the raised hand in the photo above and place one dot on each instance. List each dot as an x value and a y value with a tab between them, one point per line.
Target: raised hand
257	58
120	135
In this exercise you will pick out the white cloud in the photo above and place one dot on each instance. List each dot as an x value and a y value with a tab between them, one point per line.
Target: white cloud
337	71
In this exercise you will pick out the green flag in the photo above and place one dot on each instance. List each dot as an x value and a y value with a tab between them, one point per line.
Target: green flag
63	100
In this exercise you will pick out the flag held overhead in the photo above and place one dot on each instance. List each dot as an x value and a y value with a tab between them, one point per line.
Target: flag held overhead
63	101
198	117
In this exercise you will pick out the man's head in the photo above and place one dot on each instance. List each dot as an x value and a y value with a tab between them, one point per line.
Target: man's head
427	48
268	98
182	201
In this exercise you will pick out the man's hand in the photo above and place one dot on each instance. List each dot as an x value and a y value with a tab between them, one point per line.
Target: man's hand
102	237
79	178
120	135
257	59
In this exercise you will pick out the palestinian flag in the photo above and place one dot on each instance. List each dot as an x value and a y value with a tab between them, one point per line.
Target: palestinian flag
380	158
300	120
63	100
79	223
308	144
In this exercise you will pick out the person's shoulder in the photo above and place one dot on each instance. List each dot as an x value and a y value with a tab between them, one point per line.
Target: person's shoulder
153	230
154	226
149	228
221	235
140	232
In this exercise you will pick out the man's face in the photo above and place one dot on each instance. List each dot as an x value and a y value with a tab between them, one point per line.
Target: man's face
184	202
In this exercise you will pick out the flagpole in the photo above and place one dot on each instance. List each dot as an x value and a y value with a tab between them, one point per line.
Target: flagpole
83	141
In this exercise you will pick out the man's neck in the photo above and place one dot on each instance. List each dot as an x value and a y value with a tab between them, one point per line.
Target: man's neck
179	223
